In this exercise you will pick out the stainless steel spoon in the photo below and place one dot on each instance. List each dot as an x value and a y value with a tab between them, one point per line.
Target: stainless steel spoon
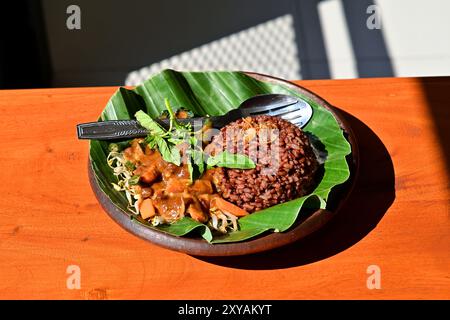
290	108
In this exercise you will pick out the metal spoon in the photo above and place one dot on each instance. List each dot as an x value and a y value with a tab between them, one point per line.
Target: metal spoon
290	108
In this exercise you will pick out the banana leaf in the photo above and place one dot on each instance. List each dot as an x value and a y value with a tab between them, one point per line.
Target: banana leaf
216	93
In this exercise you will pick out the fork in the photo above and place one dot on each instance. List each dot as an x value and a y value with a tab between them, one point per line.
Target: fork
290	108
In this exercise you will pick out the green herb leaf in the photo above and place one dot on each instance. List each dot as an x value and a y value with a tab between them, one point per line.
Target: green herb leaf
148	123
199	161
157	135
230	160
151	141
175	154
196	165
169	152
178	136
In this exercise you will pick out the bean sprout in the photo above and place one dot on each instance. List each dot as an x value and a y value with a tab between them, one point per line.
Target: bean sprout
116	161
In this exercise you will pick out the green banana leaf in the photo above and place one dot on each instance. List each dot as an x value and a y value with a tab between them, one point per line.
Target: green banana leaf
216	93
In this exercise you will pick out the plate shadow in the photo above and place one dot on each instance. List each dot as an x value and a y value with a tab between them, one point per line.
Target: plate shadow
372	195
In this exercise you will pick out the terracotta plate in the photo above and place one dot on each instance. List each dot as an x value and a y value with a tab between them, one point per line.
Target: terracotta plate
197	246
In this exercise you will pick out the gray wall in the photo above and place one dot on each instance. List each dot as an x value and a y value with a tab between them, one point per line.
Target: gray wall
118	37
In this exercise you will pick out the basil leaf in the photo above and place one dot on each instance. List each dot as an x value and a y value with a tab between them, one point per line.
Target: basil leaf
196	164
178	136
230	160
148	123
194	171
165	150
151	141
169	151
175	154
197	157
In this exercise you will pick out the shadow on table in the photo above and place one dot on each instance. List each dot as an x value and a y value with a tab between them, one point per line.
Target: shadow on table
373	194
436	91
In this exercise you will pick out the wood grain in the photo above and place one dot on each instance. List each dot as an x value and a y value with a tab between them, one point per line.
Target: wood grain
398	218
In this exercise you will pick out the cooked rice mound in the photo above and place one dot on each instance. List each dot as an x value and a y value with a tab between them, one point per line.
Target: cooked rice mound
285	162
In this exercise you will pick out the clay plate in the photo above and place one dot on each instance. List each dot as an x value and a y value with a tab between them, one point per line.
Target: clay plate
198	246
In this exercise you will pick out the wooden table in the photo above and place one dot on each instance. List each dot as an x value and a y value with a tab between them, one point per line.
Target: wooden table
397	218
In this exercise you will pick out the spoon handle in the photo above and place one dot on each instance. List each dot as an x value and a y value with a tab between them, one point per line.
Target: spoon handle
111	130
127	129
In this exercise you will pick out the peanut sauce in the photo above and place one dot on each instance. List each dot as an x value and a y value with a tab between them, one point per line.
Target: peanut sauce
168	186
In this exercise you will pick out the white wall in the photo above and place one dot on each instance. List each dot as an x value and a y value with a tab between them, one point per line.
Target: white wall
416	34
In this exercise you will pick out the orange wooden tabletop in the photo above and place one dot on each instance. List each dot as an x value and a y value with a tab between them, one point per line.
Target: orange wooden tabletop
397	217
